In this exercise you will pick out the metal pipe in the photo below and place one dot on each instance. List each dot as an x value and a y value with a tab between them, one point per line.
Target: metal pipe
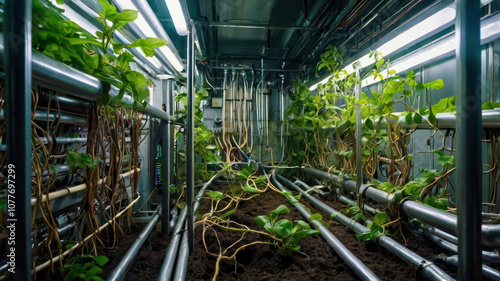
359	268
490	257
233	101
367	208
359	168
469	135
57	76
168	263
282	116
18	79
182	261
191	64
122	268
438	232
250	111
429	215
82	242
63	117
429	270
166	150
167	266
60	140
486	270
490	119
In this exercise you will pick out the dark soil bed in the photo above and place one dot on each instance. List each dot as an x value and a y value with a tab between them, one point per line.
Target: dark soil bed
148	262
315	261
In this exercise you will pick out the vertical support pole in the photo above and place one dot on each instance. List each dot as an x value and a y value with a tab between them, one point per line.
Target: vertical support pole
469	131
152	157
166	150
18	134
166	158
172	145
190	137
359	171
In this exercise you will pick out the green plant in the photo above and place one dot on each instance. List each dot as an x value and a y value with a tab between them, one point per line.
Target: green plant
204	138
289	233
97	54
376	228
81	160
85	267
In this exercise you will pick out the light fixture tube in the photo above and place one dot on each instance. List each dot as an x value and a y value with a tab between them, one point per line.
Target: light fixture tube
490	30
178	17
406	38
145	26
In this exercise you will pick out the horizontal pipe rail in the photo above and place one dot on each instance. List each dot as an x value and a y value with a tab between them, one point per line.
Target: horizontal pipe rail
76	188
487	271
490	119
359	268
490	257
57	76
122	268
63	117
429	270
79	244
429	215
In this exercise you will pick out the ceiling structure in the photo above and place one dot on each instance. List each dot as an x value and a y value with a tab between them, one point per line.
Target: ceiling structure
287	34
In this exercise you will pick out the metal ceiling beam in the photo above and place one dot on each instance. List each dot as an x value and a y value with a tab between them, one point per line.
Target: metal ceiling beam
259	26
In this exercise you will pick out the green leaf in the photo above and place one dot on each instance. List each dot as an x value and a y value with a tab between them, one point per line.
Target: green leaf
432	118
446	160
148	45
387	187
215	194
369	123
423	110
306	232
60	2
94	270
490	105
288	195
408	118
417	118
81	41
228	213
411	157
246	172
438	152
436	84
262	220
316	217
125	17
101	260
303	224
379	63
282	209
380	218
283	228
250	189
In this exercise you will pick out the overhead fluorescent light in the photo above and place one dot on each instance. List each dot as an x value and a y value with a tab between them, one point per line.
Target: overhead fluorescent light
172	58
406	38
146	28
178	17
78	19
414	33
490	30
